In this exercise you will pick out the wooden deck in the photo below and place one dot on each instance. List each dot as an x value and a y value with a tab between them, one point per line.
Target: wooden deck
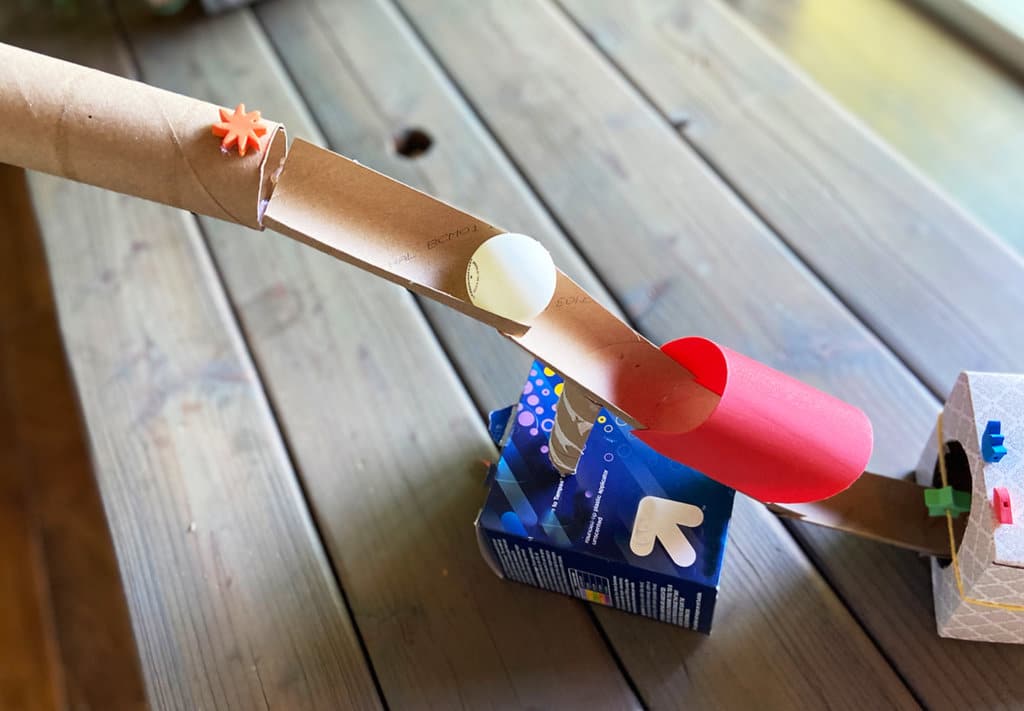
289	450
940	102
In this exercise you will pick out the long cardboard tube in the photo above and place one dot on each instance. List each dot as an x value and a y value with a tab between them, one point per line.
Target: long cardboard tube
118	134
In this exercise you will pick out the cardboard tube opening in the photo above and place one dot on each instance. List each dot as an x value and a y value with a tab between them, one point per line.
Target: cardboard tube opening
274	152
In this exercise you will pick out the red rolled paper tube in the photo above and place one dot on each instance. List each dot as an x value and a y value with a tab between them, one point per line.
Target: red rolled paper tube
771	437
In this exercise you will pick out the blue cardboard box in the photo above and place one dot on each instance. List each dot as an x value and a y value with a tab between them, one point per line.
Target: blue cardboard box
631	529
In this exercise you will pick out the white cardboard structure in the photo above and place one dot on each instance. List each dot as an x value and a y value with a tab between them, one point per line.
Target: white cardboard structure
988	605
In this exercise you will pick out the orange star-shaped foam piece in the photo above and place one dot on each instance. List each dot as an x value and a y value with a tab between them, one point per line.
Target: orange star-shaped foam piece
241	128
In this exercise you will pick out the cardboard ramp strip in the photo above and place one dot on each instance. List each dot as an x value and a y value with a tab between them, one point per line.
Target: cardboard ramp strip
351	212
882	509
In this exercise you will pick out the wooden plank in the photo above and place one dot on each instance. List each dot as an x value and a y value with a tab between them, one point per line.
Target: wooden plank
363	63
31	677
994	27
609	166
96	649
24	287
233	606
891	238
936	101
388	443
31	673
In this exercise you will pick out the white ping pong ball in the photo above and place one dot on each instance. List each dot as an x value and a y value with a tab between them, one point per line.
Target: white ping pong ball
513	276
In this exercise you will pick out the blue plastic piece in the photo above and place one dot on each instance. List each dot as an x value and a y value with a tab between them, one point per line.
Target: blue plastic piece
992	447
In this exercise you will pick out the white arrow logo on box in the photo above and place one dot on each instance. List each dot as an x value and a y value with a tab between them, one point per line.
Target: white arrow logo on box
660	519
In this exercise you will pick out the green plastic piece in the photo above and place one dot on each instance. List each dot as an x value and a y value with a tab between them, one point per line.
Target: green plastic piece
961	502
939	501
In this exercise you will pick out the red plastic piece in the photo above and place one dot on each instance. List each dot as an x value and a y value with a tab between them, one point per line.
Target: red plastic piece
241	128
1001	504
771	437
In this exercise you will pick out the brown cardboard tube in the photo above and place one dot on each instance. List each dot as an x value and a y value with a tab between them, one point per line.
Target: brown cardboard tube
383	226
360	216
612	364
125	136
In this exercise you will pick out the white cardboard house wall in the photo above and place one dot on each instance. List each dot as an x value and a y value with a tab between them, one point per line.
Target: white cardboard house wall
988	604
